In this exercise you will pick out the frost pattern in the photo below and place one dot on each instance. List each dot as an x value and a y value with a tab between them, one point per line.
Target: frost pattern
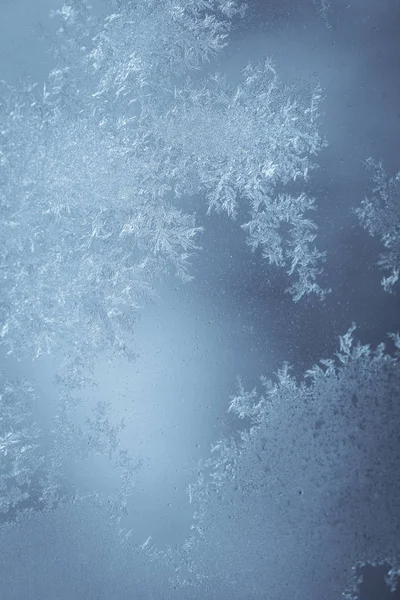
380	215
187	134
77	438
324	8
33	462
296	253
311	486
73	273
24	481
95	169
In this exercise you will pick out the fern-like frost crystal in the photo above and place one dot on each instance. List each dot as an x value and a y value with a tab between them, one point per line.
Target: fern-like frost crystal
380	215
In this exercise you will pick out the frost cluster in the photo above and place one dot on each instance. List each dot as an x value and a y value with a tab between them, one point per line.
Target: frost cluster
380	215
311	486
96	167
